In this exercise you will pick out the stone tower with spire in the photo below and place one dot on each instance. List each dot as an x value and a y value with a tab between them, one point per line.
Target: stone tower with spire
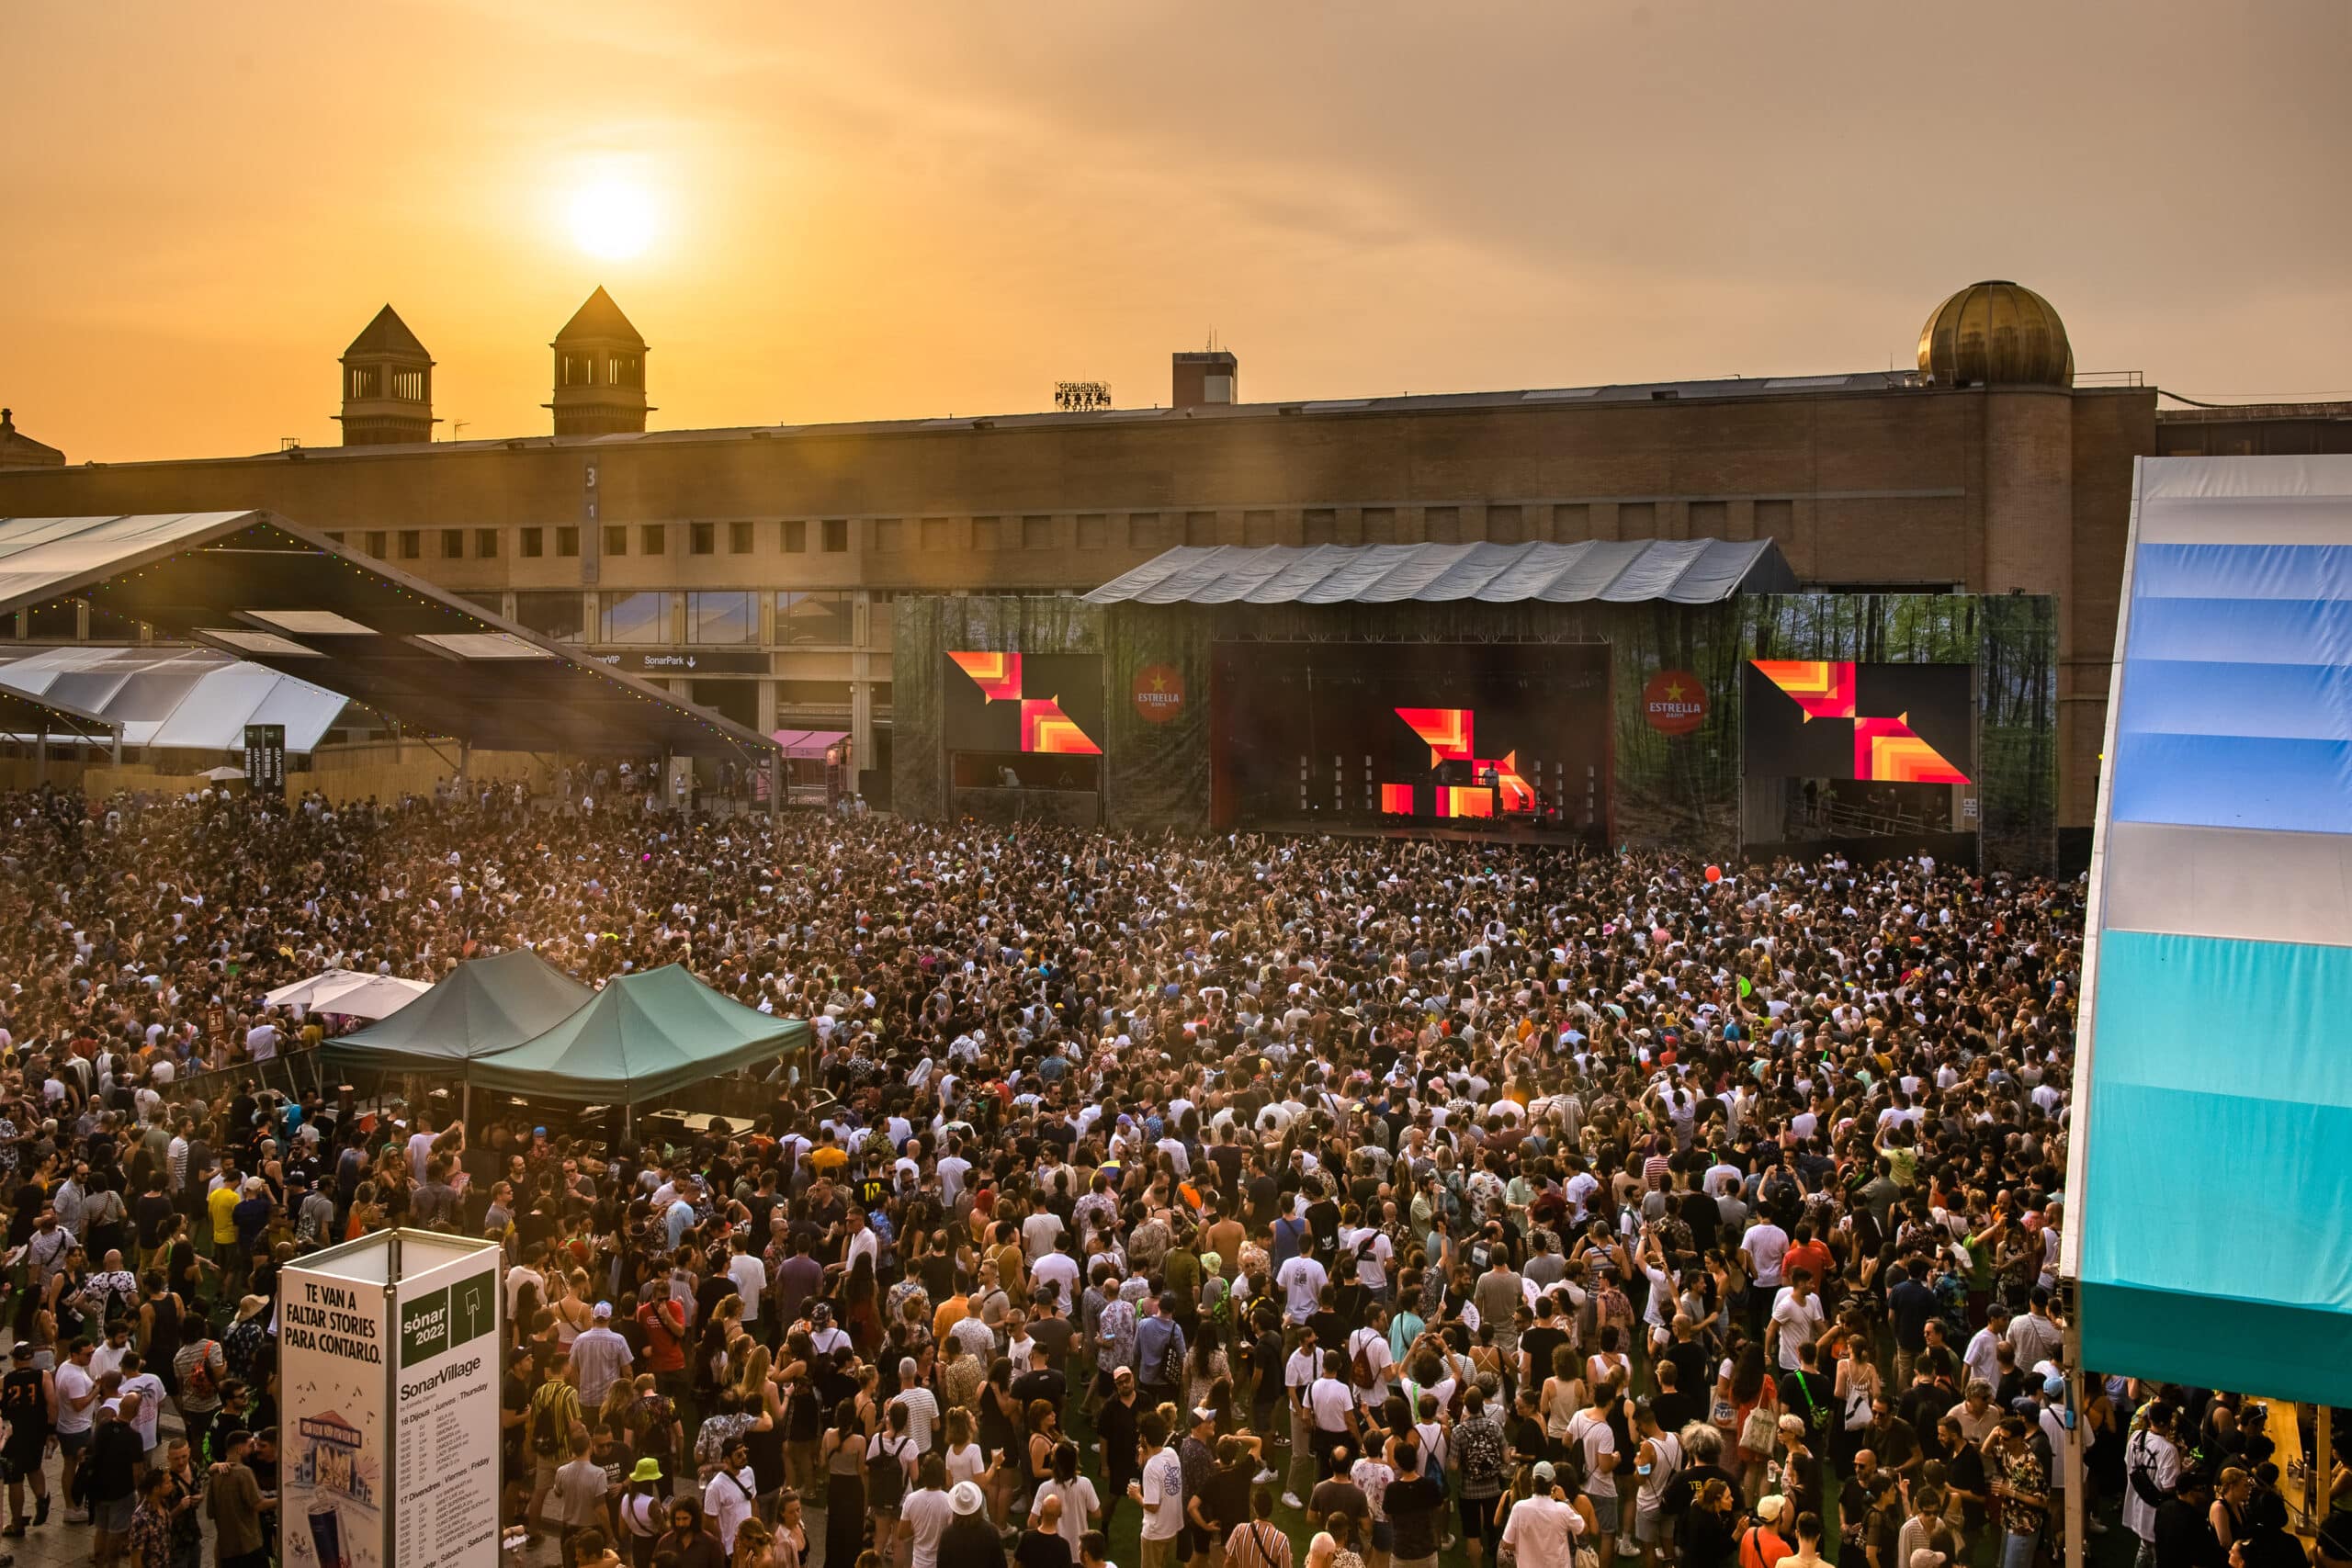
386	385
599	372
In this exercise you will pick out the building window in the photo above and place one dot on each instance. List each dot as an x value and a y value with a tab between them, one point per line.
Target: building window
887	534
625	370
534	543
818	619
984	533
1037	533
453	544
486	543
813	694
634	617
408	385
1145	533
367	381
1200	527
1502	524
375	545
1442	525
411	544
1319	525
652	540
615	539
556	617
1637	520
1091	532
1777	520
334	538
702	538
577	369
1258	529
567	541
796	537
836	535
1379	525
722	617
1710	520
739	538
1571	521
935	536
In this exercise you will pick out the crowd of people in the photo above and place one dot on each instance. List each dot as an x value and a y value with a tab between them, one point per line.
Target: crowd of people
1362	1203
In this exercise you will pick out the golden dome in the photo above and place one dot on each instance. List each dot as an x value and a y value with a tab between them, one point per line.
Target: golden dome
1996	334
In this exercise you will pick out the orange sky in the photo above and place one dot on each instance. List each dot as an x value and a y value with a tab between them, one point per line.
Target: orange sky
917	208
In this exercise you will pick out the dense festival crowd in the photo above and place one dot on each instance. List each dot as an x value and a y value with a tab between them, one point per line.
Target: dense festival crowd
1234	1202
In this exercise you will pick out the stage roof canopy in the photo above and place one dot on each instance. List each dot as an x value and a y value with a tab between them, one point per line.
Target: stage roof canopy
196	698
279	594
2219	943
1680	571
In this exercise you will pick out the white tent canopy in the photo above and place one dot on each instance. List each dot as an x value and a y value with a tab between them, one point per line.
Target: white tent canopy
196	698
350	993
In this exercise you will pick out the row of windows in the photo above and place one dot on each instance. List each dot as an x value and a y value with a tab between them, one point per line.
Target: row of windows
617	539
1152	531
713	617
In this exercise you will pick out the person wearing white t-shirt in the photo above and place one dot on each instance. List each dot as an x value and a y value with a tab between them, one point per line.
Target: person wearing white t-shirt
1161	1493
1301	1279
1760	1251
1797	1321
1541	1529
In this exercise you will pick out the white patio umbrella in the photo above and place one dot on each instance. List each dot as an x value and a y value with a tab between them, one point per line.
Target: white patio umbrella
350	993
222	774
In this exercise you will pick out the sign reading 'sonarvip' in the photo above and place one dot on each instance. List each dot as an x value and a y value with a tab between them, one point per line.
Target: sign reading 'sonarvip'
388	1364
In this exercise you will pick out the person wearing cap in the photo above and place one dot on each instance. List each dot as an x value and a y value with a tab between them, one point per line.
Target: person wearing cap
1763	1544
1161	1490
2020	1490
28	1395
1543	1526
728	1496
601	1356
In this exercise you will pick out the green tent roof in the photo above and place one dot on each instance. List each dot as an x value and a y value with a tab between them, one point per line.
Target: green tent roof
484	1005
644	1035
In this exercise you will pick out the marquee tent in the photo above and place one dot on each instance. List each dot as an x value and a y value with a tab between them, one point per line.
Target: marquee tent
484	1005
2219	943
644	1035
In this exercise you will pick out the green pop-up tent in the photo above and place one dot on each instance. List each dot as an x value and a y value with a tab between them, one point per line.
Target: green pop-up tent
643	1035
484	1005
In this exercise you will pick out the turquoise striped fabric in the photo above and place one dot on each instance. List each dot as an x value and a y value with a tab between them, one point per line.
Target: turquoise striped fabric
2211	1165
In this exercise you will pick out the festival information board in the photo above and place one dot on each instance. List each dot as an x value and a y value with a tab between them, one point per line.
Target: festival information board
388	1360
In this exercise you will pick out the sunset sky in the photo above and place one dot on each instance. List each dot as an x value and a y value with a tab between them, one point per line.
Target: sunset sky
917	208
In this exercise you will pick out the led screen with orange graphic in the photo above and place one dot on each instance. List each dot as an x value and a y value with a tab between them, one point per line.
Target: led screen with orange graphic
1050	704
1842	719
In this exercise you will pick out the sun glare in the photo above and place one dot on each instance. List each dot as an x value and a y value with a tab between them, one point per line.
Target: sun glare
612	218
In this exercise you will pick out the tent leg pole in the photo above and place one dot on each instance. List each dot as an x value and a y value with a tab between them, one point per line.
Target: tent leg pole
2324	1466
466	1109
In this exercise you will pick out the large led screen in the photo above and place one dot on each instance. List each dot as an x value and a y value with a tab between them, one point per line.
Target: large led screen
1039	703
1836	719
1455	733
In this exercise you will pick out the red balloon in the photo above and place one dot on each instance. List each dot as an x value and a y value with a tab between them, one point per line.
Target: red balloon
1714	873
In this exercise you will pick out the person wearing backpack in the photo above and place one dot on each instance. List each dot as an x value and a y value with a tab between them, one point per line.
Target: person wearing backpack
196	1372
1482	1458
547	1421
1369	1359
2151	1468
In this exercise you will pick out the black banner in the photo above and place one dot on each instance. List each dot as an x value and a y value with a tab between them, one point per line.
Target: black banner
265	758
687	661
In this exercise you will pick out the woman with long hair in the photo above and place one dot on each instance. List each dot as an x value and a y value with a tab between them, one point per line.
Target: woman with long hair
1745	1385
841	1453
1205	1364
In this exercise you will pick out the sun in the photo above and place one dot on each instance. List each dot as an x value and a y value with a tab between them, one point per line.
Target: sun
613	218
